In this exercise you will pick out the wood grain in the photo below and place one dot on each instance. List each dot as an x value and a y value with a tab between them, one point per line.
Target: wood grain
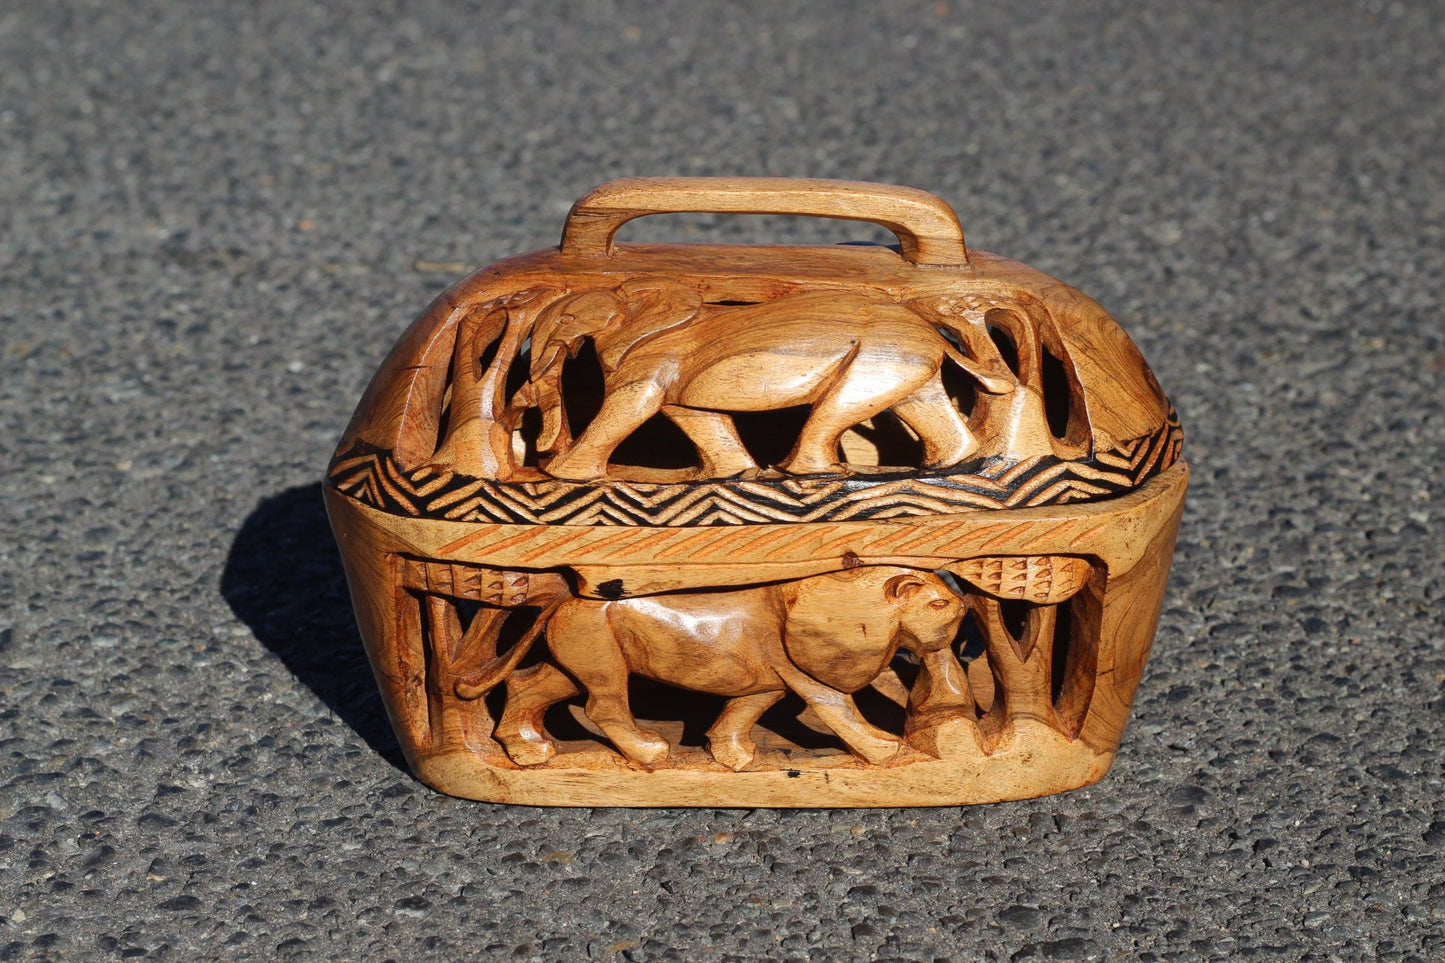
719	525
928	230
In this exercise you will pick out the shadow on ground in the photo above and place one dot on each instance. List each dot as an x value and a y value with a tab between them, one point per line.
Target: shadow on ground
284	579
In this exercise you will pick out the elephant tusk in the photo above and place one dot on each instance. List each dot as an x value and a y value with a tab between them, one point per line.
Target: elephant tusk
991	383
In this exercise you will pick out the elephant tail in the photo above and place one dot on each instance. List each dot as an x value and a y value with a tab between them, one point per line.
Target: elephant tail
479	683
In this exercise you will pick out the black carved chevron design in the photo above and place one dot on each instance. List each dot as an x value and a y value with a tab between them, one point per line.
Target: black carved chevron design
371	476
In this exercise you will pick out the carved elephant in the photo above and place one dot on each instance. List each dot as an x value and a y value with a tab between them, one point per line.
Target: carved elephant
1013	419
823	637
849	355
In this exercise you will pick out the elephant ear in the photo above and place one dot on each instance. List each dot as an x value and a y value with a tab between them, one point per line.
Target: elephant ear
841	628
654	304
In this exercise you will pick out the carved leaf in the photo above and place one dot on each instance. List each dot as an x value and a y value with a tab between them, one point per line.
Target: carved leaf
1041	579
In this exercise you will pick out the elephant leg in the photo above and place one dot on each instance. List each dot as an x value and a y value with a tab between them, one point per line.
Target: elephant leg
586	646
530	693
929	411
855	395
731	737
840	714
624	410
722	451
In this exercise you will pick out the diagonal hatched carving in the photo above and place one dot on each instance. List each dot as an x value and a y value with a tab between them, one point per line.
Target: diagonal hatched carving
371	476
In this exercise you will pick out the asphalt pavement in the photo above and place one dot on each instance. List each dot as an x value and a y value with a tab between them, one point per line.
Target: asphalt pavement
215	219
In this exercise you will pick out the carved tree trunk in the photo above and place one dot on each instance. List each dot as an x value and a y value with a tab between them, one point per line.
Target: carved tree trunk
941	714
1022	668
476	442
453	721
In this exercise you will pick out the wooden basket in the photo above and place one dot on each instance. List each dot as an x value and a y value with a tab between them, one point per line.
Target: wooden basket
722	525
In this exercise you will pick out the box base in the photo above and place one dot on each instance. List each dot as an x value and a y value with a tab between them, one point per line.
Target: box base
1038	762
1066	599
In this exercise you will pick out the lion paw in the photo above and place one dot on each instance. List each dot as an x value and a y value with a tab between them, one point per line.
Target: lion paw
734	753
530	752
639	745
878	752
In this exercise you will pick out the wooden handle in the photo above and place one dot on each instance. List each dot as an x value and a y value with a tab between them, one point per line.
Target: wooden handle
928	230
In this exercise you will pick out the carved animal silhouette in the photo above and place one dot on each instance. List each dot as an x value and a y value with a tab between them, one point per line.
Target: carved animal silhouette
849	355
1013	419
823	638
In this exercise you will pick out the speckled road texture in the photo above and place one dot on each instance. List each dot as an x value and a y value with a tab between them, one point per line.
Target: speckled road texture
215	219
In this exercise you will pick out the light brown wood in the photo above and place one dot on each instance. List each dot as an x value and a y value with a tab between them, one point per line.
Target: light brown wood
928	230
759	526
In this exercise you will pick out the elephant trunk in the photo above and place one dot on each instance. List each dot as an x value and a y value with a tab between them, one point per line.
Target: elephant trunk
557	336
546	393
982	359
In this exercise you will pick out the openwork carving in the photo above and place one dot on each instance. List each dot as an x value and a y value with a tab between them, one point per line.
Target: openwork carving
894	631
657	525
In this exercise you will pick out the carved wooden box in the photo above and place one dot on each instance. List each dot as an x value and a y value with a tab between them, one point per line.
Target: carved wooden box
732	525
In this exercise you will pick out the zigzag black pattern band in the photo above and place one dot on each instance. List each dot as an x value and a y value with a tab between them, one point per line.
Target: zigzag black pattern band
372	477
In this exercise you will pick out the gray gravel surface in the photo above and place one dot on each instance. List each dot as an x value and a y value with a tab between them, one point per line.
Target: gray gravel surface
216	217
